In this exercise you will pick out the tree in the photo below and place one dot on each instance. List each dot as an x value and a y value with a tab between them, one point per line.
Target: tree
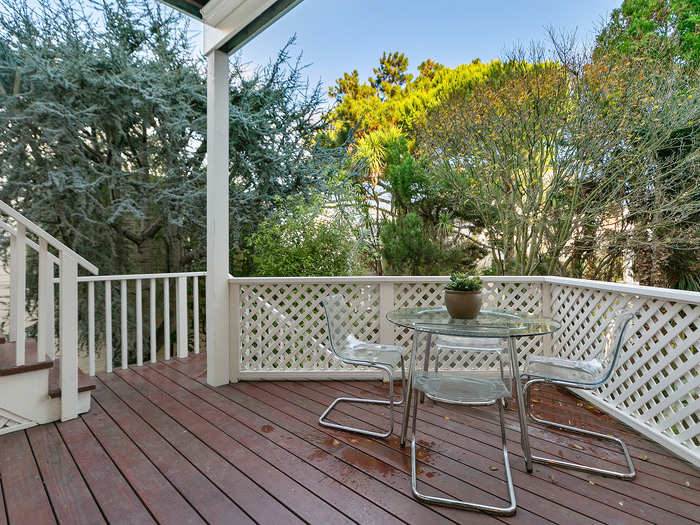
103	137
300	240
639	25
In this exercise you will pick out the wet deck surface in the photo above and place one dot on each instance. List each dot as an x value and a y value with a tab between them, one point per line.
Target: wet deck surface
160	446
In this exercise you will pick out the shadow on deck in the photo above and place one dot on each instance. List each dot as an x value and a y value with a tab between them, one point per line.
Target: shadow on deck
160	445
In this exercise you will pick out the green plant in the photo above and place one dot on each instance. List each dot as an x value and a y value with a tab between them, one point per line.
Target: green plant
462	282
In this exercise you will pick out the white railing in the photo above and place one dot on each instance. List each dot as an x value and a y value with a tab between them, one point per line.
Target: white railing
278	332
68	262
137	344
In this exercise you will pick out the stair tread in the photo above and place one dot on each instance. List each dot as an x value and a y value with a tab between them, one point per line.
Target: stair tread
31	363
85	382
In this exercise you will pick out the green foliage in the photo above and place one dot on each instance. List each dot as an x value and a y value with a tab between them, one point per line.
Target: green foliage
639	25
463	282
103	133
299	240
409	250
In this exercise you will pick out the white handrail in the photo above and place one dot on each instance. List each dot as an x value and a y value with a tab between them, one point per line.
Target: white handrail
36	230
34	246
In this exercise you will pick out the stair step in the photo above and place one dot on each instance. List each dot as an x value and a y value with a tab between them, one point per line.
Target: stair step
7	359
85	382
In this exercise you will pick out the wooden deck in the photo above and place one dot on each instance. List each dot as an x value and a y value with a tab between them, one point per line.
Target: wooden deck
161	446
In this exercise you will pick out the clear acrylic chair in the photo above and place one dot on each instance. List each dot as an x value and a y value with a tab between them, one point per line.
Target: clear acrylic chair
586	374
346	347
491	382
478	350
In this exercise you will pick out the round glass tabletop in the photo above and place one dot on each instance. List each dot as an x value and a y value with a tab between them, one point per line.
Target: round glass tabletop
488	323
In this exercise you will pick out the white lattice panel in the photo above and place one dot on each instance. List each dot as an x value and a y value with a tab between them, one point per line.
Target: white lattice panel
283	326
522	297
656	378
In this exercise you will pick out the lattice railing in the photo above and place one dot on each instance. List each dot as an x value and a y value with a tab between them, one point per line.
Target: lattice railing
282	327
280	333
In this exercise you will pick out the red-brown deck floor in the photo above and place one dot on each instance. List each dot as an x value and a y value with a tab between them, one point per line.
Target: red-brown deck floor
159	445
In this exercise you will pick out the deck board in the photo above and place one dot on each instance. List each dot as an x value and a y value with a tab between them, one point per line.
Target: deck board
159	445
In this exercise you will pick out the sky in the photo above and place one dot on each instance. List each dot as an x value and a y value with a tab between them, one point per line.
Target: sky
337	37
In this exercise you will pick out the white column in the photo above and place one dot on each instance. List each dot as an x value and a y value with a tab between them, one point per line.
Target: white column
217	219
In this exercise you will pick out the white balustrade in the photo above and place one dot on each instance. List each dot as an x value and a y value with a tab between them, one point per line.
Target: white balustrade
131	314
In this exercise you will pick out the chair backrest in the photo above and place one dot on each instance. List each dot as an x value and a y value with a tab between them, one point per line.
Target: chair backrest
616	335
339	322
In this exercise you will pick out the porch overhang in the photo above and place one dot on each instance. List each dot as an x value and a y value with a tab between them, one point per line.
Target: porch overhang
229	24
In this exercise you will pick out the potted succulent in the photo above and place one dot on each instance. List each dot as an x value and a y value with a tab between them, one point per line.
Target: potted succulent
463	296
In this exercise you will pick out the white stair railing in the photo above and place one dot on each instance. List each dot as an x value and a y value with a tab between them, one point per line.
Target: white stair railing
68	262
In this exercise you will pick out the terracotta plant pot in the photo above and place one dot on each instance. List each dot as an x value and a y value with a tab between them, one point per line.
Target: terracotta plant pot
462	305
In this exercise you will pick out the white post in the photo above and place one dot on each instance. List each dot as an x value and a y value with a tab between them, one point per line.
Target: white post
166	318
181	313
91	327
13	288
44	342
139	323
386	305
195	313
217	219
68	331
235	335
51	347
108	326
152	331
548	339
124	326
19	276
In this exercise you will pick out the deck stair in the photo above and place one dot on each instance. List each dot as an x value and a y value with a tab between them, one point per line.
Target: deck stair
30	393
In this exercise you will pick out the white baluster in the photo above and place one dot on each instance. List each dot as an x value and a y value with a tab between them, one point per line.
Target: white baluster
153	321
124	327
44	342
68	331
139	324
195	312
51	347
13	288
181	313
91	327
19	275
166	317
108	326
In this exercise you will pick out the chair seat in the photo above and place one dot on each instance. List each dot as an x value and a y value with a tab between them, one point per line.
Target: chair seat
575	371
471	344
459	388
388	355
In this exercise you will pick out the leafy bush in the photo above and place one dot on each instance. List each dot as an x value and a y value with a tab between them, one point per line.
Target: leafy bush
301	241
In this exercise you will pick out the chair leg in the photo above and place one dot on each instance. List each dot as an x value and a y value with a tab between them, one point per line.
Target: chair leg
447	502
322	420
630	474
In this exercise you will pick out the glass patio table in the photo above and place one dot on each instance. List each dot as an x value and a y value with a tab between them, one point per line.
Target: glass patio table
488	323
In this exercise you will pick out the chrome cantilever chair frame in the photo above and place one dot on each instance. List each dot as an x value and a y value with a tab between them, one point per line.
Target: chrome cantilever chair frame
532	380
449	502
629	474
386	367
